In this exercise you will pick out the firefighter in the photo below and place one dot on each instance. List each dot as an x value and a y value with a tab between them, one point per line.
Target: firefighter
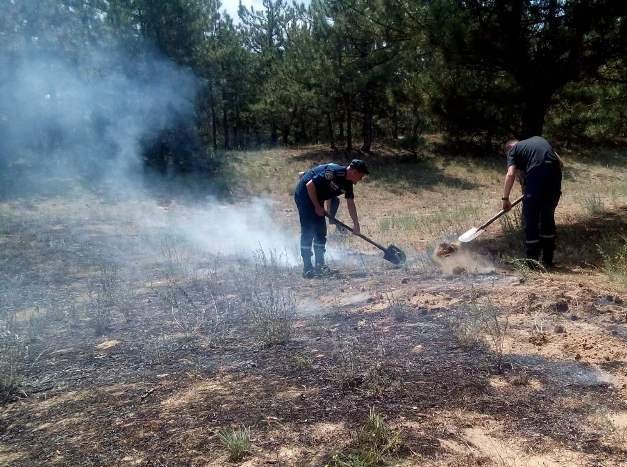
321	183
539	169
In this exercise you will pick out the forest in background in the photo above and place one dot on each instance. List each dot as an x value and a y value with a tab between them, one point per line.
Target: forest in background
347	73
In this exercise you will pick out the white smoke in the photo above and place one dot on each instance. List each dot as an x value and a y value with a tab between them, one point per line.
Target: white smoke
84	117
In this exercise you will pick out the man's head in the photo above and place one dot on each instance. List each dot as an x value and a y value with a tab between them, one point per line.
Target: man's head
356	170
510	144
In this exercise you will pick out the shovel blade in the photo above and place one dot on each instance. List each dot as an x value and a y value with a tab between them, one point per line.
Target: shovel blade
470	235
394	255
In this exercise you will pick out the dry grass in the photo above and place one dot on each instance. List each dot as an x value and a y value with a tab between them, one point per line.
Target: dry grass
416	203
379	335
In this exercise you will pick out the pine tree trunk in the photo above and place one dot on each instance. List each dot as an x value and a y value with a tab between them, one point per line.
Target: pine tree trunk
237	130
331	130
366	129
395	123
214	123
225	123
533	116
349	119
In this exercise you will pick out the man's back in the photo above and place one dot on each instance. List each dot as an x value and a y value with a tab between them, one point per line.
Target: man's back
531	153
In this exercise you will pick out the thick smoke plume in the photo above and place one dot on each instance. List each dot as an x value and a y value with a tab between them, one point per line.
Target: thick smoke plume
84	117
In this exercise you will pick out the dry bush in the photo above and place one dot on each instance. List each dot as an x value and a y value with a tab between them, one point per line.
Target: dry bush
107	292
35	325
347	369
482	322
13	358
272	311
397	307
592	204
268	302
193	296
538	336
613	251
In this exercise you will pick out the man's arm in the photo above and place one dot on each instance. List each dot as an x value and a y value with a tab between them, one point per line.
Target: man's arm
313	196
510	178
352	210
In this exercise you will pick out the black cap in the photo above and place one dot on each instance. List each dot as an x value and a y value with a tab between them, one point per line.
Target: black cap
359	165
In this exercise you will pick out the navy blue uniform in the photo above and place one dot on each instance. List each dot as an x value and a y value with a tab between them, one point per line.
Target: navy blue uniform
330	181
542	190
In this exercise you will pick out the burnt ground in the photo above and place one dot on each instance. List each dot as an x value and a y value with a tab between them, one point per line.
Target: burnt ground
175	355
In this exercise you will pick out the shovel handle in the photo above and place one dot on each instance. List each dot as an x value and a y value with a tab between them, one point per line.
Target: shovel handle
372	242
501	212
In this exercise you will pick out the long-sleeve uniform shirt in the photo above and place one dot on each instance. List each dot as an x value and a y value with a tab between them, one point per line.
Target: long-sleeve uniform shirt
330	181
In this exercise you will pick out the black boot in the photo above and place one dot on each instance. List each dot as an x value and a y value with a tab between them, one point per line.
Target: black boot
321	268
548	249
308	270
532	251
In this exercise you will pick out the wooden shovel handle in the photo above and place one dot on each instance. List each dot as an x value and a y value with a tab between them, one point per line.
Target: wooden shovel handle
372	242
501	212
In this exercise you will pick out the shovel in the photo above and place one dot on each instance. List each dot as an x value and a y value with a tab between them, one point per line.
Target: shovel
473	233
393	254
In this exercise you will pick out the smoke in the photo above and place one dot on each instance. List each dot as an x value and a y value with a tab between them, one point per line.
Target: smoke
84	117
68	118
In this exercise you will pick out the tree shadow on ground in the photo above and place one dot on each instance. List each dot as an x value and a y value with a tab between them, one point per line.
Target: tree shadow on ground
399	170
577	243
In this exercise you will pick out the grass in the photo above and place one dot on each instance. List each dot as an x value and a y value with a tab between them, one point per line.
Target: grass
420	202
372	445
481	321
613	251
236	441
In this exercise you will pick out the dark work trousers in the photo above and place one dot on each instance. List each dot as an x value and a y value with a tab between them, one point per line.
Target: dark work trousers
313	228
542	193
335	205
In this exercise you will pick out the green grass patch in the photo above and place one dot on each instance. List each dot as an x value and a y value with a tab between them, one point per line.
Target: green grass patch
374	444
237	442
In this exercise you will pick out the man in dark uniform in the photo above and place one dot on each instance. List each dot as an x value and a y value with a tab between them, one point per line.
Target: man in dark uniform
317	185
540	170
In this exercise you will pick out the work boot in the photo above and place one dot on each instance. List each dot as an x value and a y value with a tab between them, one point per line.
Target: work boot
321	268
548	249
308	269
309	273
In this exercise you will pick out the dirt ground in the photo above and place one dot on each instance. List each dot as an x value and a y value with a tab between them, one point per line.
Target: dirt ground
468	361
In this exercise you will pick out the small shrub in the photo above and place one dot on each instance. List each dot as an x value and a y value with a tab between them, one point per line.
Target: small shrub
467	329
237	442
272	311
346	371
482	322
398	307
